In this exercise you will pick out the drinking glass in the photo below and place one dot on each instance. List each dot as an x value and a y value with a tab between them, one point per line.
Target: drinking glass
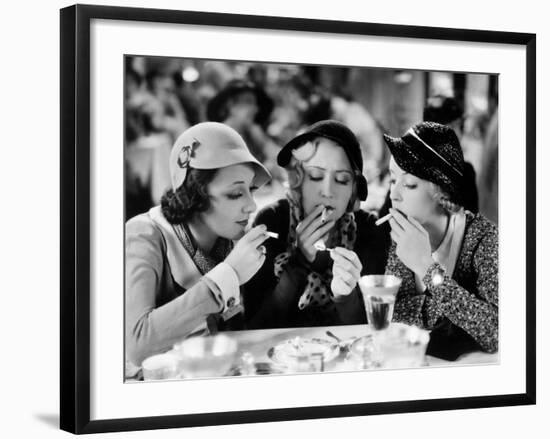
379	292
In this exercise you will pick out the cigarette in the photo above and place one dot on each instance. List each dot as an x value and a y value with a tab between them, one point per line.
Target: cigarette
272	234
383	219
326	212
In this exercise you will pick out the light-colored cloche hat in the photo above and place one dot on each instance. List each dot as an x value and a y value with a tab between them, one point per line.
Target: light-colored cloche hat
211	145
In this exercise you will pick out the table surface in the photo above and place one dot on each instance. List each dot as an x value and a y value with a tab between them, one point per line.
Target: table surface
257	343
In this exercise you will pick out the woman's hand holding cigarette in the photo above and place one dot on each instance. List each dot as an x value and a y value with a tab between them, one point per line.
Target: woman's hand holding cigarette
413	242
311	230
248	255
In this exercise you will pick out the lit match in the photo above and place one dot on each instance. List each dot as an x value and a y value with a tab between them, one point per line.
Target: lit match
320	246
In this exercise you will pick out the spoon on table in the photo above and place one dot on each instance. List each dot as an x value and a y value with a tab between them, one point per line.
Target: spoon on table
343	344
330	334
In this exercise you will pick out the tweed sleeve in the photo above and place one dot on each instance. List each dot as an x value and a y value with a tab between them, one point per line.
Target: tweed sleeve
476	313
408	304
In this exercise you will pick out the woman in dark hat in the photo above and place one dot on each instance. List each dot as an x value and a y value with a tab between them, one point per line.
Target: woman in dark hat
446	256
447	111
182	268
246	107
324	243
244	93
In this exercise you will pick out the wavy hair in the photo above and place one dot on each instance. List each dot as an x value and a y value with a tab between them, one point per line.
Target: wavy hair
296	174
190	198
444	200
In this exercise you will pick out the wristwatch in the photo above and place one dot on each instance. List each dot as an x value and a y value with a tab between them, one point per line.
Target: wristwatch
435	275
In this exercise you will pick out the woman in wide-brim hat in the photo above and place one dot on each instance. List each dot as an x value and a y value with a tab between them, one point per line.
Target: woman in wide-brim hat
246	107
300	284
218	109
181	264
446	256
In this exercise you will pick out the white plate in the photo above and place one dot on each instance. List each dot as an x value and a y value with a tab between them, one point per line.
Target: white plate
291	350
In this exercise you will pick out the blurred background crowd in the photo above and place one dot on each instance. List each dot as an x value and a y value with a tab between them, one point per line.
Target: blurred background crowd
268	104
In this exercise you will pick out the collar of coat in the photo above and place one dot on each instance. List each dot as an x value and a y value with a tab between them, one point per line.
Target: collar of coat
184	270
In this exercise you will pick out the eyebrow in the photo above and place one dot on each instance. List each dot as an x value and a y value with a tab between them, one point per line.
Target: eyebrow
404	172
324	169
235	183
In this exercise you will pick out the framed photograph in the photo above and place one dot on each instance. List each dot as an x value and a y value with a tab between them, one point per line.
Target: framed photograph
139	89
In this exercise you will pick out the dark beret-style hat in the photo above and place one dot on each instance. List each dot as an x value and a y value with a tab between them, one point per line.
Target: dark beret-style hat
442	109
338	133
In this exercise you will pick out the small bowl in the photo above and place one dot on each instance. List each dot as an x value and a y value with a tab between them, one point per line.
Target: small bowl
160	367
403	346
202	357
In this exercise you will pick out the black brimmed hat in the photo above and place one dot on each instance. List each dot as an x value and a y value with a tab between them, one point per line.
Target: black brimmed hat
338	133
442	109
216	109
432	152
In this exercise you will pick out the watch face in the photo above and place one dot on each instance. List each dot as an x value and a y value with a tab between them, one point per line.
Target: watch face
437	278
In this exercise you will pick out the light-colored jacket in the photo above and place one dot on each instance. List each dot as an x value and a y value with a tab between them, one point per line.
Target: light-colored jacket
167	297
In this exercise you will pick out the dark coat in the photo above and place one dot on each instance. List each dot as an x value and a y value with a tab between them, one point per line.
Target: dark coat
270	302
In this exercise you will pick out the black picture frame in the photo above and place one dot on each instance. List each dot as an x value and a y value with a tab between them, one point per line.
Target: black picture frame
75	217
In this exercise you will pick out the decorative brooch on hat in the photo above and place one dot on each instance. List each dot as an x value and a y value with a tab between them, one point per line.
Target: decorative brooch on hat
305	152
187	152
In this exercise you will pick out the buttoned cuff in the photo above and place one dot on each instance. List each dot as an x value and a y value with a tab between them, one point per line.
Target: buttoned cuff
224	283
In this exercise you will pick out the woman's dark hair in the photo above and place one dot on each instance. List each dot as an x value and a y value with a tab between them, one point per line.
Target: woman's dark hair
190	198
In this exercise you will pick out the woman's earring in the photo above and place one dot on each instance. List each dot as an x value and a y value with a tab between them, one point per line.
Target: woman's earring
445	203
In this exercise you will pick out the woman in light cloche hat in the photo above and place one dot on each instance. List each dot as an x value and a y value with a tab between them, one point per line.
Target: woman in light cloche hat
182	267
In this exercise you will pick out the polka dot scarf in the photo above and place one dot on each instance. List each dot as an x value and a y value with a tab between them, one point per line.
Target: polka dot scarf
317	292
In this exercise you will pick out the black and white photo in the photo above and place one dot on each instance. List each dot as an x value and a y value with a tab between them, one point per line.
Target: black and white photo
297	219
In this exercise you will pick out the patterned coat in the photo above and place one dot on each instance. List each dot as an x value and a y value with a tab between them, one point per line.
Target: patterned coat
461	311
